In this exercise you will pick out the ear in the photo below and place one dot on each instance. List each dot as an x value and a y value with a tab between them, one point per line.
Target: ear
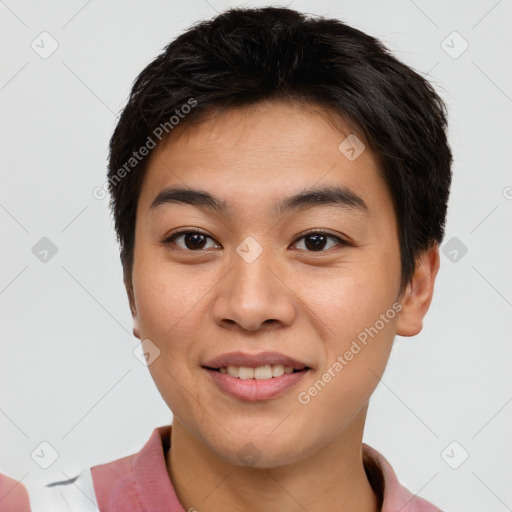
418	295
133	309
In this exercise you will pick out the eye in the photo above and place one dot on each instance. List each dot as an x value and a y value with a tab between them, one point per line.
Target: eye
192	240
315	241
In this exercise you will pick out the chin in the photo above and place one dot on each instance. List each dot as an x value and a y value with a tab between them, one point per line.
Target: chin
260	450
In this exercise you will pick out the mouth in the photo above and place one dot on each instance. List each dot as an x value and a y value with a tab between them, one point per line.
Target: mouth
255	377
263	364
263	372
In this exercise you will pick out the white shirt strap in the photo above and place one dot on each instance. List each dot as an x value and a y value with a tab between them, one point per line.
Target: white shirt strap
73	495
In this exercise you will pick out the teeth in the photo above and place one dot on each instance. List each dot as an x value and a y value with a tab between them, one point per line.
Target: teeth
260	373
245	373
277	370
233	371
263	372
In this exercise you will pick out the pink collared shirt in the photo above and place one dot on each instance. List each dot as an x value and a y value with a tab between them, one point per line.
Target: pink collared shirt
140	483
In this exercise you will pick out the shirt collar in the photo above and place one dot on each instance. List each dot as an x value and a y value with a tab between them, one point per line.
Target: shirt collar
156	492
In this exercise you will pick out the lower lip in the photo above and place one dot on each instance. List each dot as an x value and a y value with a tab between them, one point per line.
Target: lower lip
255	389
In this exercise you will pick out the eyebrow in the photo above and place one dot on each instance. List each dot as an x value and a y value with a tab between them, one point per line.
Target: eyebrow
330	195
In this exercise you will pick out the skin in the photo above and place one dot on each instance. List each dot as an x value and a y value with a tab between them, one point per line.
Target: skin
195	304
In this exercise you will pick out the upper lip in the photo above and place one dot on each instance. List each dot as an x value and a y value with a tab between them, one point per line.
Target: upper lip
253	360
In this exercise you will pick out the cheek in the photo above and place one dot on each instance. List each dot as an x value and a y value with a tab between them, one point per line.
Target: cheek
356	316
168	311
347	301
167	298
357	344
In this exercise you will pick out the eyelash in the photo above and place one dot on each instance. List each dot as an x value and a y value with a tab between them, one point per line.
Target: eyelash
170	239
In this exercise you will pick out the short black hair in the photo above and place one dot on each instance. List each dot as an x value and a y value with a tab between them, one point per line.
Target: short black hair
248	55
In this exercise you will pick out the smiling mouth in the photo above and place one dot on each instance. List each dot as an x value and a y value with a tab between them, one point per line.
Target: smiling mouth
259	373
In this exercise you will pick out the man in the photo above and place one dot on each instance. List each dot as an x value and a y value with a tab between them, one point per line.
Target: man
279	185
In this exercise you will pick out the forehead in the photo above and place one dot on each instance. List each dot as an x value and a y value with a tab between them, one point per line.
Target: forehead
247	156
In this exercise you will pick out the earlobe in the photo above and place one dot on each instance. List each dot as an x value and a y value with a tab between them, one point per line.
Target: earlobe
136	331
133	309
418	296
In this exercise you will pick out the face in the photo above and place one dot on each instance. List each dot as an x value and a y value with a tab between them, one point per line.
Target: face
314	281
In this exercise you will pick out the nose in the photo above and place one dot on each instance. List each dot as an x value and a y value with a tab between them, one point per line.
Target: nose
254	295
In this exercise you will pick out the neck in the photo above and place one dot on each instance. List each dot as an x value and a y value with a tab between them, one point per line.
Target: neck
332	479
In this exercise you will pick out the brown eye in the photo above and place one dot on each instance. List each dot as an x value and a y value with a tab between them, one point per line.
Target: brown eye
191	240
317	241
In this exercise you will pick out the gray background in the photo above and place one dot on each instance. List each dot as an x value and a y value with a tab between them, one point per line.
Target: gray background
68	375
